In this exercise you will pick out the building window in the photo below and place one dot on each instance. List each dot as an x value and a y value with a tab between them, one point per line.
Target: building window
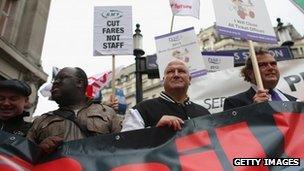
124	78
5	13
132	75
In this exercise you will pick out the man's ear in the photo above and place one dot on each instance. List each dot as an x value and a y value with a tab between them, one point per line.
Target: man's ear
26	100
251	75
80	83
27	103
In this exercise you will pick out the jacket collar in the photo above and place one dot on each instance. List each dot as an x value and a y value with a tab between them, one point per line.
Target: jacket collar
87	104
17	118
166	97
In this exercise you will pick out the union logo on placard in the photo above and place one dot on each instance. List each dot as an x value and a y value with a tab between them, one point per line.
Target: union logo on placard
112	14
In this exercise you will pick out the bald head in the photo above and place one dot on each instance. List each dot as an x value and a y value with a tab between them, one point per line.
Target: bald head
176	79
176	62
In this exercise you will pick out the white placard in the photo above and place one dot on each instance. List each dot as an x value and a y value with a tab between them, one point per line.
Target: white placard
218	62
181	45
246	19
113	30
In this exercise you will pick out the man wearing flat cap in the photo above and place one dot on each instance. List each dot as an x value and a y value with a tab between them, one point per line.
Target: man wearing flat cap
13	99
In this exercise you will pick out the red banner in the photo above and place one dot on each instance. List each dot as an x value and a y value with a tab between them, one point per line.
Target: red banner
267	136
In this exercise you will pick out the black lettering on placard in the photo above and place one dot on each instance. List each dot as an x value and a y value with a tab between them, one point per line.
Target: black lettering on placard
207	102
113	45
292	80
113	23
214	103
113	37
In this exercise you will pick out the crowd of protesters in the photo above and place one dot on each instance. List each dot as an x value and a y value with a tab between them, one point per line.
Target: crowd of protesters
78	116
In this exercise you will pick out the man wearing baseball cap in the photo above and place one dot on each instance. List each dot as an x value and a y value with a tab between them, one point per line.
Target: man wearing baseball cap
13	99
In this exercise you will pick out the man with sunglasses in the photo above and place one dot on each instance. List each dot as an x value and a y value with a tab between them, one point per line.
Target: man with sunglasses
77	116
270	75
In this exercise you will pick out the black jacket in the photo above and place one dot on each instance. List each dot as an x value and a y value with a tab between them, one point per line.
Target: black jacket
16	125
153	109
245	98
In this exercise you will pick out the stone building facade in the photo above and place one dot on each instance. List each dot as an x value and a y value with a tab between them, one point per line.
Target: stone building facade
22	30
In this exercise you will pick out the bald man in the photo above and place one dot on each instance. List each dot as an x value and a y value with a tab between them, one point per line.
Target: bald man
171	108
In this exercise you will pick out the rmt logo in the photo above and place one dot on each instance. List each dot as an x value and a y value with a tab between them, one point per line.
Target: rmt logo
112	14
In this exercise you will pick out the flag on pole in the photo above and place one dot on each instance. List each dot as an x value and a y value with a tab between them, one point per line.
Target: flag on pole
299	4
97	82
46	90
55	71
185	7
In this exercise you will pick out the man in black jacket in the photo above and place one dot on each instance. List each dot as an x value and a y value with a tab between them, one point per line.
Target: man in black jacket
171	108
270	75
13	99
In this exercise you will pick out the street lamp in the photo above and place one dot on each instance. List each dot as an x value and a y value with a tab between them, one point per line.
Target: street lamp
138	52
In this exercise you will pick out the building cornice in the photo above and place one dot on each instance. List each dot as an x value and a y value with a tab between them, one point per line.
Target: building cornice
17	56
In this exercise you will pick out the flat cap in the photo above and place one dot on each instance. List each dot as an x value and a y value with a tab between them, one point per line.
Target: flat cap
17	85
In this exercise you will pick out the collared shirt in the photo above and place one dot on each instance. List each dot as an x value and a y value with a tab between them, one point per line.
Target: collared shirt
148	112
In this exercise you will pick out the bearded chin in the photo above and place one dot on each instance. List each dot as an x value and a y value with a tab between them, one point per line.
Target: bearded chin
64	100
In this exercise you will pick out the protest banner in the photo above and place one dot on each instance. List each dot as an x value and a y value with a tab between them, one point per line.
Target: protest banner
264	136
181	45
211	90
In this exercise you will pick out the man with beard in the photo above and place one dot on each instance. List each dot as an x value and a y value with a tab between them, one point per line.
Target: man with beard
171	108
270	75
76	118
14	97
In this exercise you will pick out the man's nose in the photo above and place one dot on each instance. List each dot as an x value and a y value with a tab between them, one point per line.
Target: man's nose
6	102
56	81
176	72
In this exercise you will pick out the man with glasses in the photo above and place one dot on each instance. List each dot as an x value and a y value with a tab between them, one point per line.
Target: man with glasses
77	116
270	75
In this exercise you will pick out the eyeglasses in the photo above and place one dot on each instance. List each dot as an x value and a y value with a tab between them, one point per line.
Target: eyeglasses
61	78
264	65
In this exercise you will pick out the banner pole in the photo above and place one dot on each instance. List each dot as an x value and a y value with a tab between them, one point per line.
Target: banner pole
172	23
255	66
113	74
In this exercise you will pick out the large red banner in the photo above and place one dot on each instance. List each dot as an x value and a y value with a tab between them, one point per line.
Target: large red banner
267	136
